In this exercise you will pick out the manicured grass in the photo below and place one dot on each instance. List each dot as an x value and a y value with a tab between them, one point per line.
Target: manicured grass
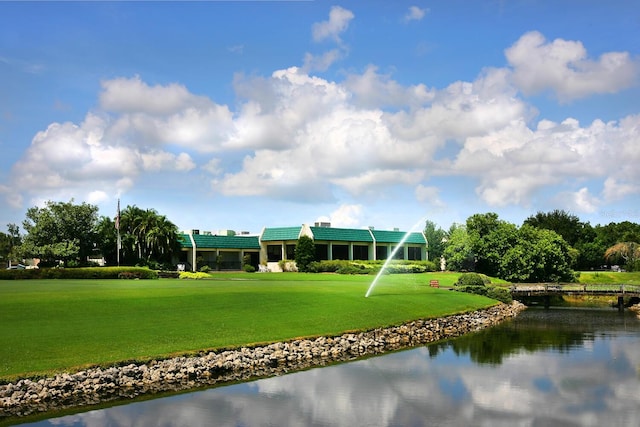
48	326
610	277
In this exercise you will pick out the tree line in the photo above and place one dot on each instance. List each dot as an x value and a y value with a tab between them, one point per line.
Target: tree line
70	235
548	246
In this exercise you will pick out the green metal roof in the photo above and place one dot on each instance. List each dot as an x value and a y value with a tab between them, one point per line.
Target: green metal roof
341	234
385	236
204	241
280	233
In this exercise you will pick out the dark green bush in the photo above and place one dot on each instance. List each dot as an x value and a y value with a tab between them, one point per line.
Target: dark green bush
368	267
249	268
168	274
353	269
327	266
500	294
473	289
470	279
77	273
493	292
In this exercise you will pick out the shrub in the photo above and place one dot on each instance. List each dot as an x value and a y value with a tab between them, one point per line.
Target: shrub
327	266
190	275
249	268
77	273
205	269
493	292
500	294
168	274
470	279
473	289
287	265
305	253
353	269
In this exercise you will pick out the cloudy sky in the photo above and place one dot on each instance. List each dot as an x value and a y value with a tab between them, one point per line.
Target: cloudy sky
239	115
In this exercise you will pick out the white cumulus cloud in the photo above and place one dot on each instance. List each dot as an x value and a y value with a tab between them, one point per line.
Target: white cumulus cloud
564	67
337	23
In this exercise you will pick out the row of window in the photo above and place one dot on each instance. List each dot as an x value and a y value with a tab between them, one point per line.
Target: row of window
360	252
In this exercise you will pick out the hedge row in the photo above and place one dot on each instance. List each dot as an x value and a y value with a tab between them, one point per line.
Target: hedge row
493	292
80	273
370	267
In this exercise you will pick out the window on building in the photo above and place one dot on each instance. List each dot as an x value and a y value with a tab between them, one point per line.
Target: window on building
381	252
322	252
414	253
340	252
291	252
274	253
360	252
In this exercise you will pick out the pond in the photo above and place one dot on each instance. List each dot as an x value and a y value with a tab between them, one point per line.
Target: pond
557	367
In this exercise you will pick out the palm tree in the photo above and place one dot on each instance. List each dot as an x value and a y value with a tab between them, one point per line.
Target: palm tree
147	235
130	217
162	238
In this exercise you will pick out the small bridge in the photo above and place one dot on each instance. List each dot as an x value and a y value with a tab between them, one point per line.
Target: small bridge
546	290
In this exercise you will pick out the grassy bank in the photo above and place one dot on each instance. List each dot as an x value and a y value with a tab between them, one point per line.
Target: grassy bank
56	325
609	277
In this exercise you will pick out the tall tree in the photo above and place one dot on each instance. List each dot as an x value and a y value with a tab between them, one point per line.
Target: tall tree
457	250
60	231
490	238
562	222
147	236
305	253
540	255
521	254
162	239
436	237
8	241
106	239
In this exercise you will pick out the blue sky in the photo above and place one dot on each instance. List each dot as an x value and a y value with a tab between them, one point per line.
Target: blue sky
239	115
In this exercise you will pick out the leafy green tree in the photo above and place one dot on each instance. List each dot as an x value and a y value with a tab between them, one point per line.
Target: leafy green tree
525	254
613	233
539	255
305	253
457	251
60	231
8	241
490	239
580	235
590	255
562	222
436	237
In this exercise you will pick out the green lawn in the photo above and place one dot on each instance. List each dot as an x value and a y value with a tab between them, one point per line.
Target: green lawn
54	325
609	277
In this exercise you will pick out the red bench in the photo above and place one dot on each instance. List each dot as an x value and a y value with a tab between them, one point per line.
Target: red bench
434	283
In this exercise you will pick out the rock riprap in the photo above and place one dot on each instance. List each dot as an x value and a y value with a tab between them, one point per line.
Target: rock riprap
97	385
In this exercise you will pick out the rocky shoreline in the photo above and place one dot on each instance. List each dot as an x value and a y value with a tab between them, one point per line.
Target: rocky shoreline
98	385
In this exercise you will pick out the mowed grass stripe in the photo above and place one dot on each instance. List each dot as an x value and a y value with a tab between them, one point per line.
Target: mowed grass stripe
48	326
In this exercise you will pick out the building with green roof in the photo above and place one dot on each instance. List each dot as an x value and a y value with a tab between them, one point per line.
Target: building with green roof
219	252
275	244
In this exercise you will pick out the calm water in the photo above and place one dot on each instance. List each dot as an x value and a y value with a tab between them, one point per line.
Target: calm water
546	368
